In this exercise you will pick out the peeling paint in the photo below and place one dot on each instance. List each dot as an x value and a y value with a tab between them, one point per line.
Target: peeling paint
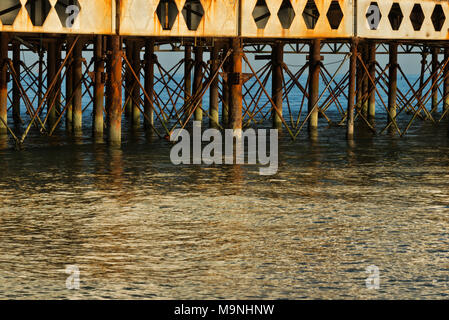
139	18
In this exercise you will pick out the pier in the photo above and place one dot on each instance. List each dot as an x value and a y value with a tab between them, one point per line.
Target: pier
124	81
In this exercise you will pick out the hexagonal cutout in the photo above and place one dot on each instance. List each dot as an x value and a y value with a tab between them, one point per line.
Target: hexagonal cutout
193	12
438	17
9	9
261	14
167	11
373	16
395	16
286	14
311	14
68	11
334	15
417	17
38	11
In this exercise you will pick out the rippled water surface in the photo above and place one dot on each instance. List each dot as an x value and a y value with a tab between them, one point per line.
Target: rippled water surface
139	227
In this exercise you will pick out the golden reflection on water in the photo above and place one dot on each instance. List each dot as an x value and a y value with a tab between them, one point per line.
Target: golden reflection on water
139	227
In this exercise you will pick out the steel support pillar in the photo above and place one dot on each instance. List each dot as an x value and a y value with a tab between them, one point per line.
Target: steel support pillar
213	95
15	88
115	110
392	83
235	86
77	69
446	82
351	90
197	80
4	40
136	64
149	83
435	67
314	84
371	85
98	119
276	83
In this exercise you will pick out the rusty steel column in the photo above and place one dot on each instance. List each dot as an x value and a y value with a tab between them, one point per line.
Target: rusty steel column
4	40
187	72
107	92
422	73
149	83
129	80
277	59
77	69
197	80
235	86
40	75
98	120
359	75
371	85
15	88
365	81
226	90
446	82
51	73
435	67
115	110
392	83
69	87
58	62
213	95
314	84
351	90
136	64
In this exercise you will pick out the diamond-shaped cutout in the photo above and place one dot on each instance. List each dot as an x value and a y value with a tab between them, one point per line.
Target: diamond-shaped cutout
193	12
38	11
167	11
9	9
68	11
373	16
395	16
438	17
286	14
334	15
261	14
417	17
311	14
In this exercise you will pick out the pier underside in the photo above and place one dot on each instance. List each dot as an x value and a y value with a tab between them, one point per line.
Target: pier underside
56	55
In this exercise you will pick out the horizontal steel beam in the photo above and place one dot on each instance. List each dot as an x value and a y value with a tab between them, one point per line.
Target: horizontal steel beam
251	19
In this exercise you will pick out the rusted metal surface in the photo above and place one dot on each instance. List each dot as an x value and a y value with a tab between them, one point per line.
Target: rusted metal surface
3	83
140	17
392	82
135	121
149	83
371	86
214	98
295	21
276	82
235	87
351	90
98	121
280	19
94	17
115	109
446	83
314	86
425	17
15	88
197	80
77	69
